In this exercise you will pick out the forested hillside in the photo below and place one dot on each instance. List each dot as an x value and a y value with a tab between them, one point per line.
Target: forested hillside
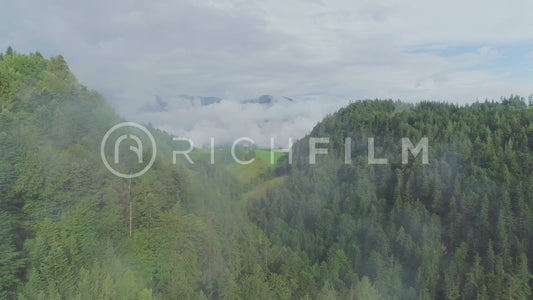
459	227
65	218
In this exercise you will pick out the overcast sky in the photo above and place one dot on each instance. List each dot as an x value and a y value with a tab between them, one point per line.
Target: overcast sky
321	53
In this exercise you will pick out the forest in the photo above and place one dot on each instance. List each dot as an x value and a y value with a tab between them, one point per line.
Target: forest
458	227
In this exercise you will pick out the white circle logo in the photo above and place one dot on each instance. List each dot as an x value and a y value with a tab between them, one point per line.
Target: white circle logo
137	150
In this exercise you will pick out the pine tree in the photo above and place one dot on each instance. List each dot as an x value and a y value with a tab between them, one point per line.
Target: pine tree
10	261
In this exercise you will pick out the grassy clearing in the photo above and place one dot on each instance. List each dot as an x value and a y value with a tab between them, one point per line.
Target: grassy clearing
255	172
255	177
264	154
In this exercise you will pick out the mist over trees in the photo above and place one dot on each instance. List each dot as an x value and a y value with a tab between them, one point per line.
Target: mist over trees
459	227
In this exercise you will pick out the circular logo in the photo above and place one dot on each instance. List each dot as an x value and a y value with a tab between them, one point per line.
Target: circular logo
138	150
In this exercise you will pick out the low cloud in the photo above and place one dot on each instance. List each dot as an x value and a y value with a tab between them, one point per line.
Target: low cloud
230	119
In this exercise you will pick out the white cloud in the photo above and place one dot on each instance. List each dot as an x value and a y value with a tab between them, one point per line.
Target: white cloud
230	119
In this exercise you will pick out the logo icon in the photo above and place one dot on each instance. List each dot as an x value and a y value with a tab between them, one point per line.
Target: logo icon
137	149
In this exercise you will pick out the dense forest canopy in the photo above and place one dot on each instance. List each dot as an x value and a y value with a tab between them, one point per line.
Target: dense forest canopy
459	227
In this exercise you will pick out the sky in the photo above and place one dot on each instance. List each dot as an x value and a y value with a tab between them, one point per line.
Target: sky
322	54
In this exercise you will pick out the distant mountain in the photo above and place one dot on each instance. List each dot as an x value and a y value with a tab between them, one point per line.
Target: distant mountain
161	105
204	101
164	105
267	99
